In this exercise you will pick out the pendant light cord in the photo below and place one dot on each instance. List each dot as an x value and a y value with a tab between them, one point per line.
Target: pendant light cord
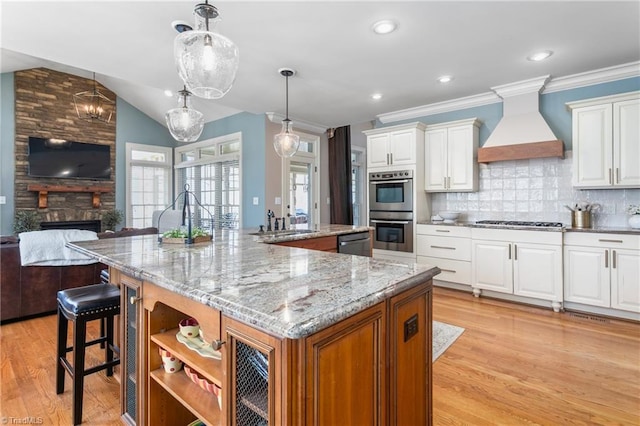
286	91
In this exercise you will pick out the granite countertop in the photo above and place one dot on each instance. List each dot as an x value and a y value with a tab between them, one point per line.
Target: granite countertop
595	229
290	292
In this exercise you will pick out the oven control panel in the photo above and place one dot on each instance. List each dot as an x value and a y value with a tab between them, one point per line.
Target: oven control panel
399	174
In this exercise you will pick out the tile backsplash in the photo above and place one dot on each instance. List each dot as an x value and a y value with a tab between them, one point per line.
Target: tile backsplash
534	190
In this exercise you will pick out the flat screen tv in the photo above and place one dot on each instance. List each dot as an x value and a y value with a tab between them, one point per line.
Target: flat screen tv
59	158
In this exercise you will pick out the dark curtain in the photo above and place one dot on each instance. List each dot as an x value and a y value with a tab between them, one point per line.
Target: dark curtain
340	176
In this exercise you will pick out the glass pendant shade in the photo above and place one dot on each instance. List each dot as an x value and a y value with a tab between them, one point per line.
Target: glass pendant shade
185	123
207	62
93	105
286	142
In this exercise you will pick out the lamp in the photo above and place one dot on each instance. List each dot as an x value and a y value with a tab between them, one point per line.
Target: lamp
185	123
286	142
207	61
93	105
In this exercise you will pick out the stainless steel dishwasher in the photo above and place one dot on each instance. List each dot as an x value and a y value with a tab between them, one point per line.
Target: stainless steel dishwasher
358	243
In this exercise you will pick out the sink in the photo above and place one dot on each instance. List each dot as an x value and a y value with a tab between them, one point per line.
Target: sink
287	232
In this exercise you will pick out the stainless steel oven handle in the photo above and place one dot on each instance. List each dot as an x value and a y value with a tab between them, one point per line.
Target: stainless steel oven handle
380	182
389	221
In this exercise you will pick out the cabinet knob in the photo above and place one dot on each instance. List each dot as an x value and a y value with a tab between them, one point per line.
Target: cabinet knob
217	344
134	299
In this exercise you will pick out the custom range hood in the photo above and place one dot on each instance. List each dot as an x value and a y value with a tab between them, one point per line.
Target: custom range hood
522	133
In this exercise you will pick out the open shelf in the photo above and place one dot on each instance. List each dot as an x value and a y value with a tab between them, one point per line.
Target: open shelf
200	402
210	368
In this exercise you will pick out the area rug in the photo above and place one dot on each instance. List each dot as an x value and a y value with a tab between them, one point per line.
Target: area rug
443	336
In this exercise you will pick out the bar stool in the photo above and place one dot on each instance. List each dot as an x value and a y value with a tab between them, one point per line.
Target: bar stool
81	305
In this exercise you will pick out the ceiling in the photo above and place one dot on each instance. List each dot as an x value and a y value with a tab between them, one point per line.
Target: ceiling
339	61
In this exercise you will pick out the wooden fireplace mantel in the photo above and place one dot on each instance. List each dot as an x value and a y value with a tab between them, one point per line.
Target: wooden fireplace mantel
43	192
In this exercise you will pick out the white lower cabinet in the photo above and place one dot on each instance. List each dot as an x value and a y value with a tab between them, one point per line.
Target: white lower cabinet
521	263
603	270
448	248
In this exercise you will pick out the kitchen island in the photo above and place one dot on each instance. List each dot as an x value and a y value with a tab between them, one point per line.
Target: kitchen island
304	336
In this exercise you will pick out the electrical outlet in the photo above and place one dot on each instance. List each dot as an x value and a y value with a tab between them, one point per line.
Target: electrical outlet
411	327
256	201
3	199
328	200
278	201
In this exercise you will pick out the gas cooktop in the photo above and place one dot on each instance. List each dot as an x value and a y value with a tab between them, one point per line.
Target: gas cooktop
520	223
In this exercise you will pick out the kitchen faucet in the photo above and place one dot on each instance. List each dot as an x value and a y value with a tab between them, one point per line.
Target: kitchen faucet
270	214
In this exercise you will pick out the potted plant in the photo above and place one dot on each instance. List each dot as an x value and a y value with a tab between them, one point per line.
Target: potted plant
25	221
179	235
111	218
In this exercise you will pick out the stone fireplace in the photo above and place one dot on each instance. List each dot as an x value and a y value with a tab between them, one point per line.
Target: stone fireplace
44	108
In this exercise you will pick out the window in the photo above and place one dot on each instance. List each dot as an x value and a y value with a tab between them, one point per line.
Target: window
211	169
148	182
301	184
357	183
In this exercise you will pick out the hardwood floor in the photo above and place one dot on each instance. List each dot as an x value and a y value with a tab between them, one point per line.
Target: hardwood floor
513	365
517	365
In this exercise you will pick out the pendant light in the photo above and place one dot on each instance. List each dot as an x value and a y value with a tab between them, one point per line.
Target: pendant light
286	142
185	123
207	62
93	105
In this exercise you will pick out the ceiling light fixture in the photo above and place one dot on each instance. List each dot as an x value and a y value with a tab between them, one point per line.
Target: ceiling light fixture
540	56
93	105
168	93
286	142
376	96
185	123
445	79
385	26
207	61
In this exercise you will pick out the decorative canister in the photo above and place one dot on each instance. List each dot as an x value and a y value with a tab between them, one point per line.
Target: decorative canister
634	221
581	219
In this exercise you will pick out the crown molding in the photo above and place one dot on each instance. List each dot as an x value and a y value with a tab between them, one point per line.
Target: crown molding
298	124
603	75
589	78
532	85
440	107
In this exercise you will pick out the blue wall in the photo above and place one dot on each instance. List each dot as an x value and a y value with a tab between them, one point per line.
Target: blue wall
7	155
552	108
253	128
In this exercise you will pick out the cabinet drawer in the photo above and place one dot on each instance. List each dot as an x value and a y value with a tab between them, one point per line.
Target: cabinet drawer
444	247
517	235
602	240
455	271
444	230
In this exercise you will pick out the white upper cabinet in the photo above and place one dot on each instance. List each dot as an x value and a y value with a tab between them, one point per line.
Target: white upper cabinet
606	142
394	146
451	152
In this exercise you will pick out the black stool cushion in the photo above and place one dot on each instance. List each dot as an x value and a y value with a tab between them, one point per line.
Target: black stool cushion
89	299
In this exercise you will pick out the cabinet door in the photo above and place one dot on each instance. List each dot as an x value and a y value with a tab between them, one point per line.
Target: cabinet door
537	271
378	150
131	342
435	153
592	146
460	159
626	148
492	268
402	147
625	280
586	275
345	371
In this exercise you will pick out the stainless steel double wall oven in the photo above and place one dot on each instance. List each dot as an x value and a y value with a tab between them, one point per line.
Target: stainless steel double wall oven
391	209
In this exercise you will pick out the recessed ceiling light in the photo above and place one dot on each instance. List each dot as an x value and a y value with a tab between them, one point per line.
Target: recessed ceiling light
376	96
385	26
168	93
445	79
540	56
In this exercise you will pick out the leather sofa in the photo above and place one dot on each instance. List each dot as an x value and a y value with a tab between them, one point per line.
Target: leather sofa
28	291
